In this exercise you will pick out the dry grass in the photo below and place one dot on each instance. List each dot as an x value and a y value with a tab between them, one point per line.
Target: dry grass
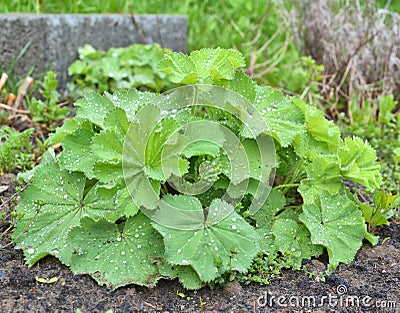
358	45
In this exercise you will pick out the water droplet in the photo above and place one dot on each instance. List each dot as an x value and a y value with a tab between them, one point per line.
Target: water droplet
185	262
30	250
233	226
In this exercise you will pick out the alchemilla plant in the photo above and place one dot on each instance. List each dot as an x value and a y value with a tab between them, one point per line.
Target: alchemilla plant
195	183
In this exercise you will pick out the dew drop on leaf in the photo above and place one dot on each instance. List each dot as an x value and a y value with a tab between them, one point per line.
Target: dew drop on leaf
30	250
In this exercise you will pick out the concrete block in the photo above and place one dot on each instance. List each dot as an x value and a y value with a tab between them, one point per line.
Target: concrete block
54	39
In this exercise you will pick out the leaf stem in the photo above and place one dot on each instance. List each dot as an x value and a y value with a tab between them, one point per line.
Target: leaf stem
195	100
287	185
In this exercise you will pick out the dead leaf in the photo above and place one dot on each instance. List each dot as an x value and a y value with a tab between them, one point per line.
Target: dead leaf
46	280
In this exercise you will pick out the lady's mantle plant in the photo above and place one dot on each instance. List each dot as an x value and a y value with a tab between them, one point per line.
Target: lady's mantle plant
79	208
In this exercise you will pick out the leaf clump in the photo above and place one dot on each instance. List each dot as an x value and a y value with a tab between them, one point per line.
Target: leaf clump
103	205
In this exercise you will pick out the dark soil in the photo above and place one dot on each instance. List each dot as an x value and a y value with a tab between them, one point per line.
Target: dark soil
370	284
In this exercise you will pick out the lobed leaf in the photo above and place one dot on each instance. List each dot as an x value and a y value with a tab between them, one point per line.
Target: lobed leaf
180	68
186	275
130	101
336	223
230	243
203	66
77	153
52	205
94	108
324	171
284	119
322	136
358	163
116	257
293	237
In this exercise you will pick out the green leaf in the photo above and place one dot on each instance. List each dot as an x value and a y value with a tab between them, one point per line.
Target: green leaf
373	240
180	68
107	172
124	202
85	51
335	222
69	128
201	147
108	145
76	68
159	152
372	215
52	205
77	153
260	162
294	237
217	63
117	121
358	163
325	171
201	247
265	218
186	275
243	85
130	101
115	257
274	204
283	118
94	108
203	66
323	130
187	211
322	135
147	155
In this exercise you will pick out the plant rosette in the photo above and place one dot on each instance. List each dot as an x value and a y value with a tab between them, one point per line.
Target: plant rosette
194	183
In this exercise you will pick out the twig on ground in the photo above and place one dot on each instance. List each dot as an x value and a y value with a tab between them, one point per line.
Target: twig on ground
3	80
7	107
21	94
